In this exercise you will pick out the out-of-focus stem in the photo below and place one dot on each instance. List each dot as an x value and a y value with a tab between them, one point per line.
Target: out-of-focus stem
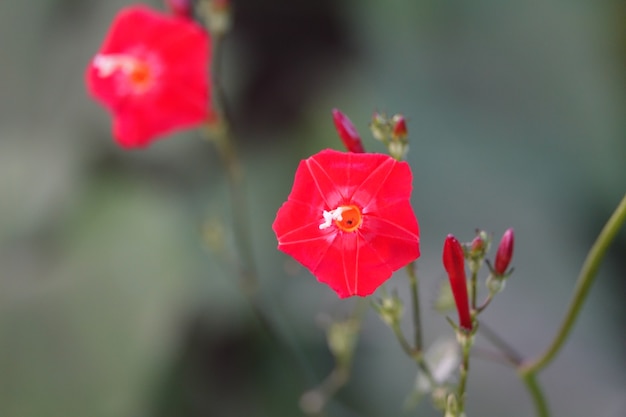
512	356
218	130
313	401
415	304
416	355
473	280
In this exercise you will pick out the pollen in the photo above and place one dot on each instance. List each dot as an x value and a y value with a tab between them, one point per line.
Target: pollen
346	218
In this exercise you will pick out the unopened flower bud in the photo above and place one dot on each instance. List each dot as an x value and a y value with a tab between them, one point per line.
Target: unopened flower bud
454	263
347	132
217	15
390	309
392	132
380	127
477	249
399	130
504	254
341	337
180	8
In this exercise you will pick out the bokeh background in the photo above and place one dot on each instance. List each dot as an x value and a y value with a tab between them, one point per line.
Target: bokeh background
113	304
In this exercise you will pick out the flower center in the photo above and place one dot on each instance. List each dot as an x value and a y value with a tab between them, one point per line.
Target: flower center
137	71
346	218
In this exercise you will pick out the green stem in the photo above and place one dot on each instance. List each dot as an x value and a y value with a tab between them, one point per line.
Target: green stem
541	406
511	355
415	302
528	370
585	280
414	354
463	374
473	280
218	130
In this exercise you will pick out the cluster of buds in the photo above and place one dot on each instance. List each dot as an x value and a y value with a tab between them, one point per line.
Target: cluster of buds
454	256
391	131
476	250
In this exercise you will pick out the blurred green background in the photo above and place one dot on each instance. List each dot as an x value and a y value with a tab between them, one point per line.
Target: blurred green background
112	305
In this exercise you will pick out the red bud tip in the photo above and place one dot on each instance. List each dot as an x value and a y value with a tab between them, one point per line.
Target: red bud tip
347	132
399	127
505	252
454	263
477	245
180	8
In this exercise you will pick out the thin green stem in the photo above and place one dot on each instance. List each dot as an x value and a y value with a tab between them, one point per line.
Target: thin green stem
473	280
539	400
529	369
415	303
313	401
218	130
586	278
414	354
463	376
512	356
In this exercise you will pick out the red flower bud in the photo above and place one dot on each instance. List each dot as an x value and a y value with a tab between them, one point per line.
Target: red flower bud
399	127
454	263
477	245
180	8
505	252
347	132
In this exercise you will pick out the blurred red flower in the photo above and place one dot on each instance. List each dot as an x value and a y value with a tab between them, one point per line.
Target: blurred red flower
152	74
348	219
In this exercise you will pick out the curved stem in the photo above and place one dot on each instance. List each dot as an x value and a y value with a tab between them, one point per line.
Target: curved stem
585	280
528	370
539	400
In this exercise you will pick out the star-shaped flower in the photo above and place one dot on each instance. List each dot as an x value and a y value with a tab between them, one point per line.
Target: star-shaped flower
152	74
348	219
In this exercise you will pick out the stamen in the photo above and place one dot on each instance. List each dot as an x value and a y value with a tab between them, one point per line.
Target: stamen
107	64
329	216
139	74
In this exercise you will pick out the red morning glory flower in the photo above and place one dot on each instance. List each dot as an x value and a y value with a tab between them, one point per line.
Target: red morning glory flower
348	220
152	74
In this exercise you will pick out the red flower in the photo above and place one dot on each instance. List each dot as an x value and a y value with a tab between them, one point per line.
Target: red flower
347	132
504	253
348	220
454	262
152	74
